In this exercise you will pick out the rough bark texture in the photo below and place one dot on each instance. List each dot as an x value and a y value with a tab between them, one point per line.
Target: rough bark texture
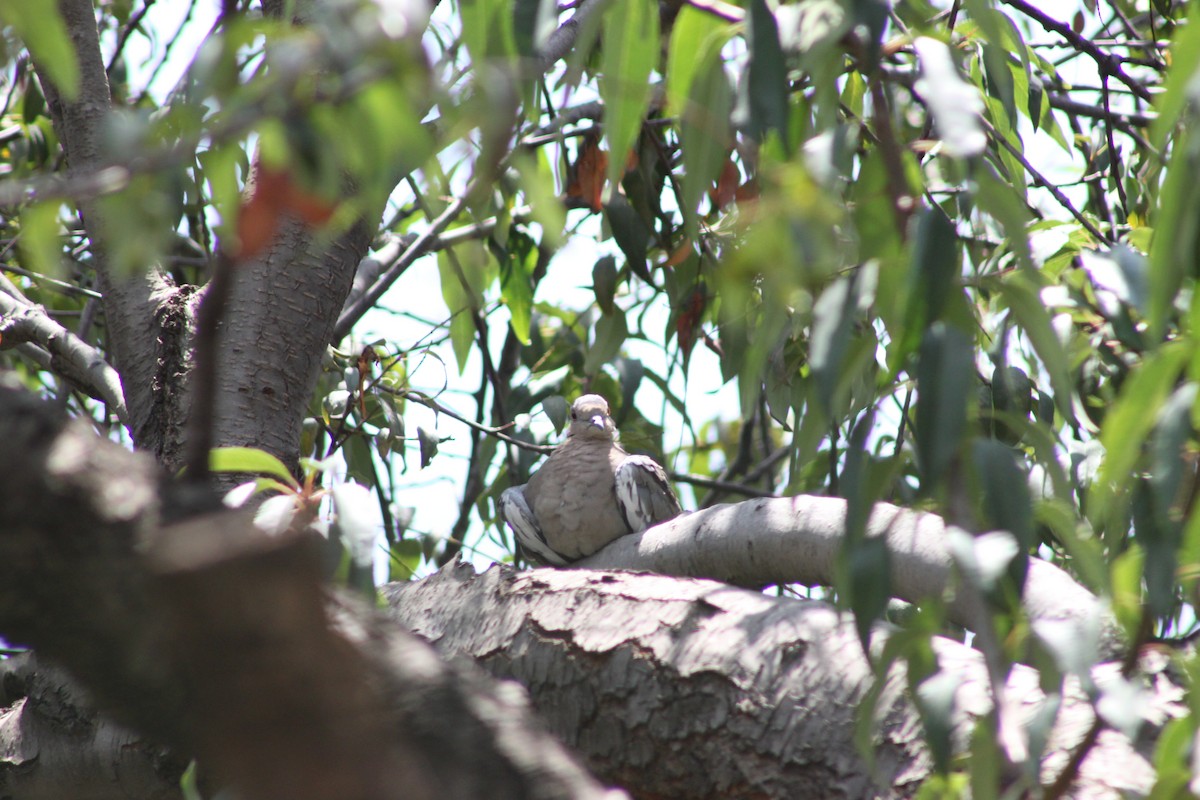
51	736
221	642
678	688
278	321
691	688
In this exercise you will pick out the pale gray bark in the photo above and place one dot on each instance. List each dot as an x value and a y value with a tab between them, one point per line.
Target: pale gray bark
68	355
691	688
798	540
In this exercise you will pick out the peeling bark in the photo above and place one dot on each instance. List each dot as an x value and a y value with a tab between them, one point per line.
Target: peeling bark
691	688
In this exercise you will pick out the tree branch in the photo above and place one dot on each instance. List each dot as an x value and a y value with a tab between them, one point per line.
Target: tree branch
71	357
799	540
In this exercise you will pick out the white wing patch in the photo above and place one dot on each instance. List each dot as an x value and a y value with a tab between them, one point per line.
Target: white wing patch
519	516
643	493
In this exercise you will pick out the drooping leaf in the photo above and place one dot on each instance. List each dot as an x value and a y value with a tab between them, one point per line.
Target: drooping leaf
429	446
690	35
763	103
42	29
611	332
604	282
834	315
631	233
252	460
935	700
488	29
945	383
705	134
1006	501
954	104
630	53
556	408
40	243
1020	294
932	276
357	521
516	283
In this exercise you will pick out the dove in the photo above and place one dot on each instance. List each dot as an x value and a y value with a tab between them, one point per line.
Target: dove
588	493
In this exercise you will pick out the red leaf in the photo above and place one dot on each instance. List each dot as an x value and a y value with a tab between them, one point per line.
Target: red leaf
585	178
689	317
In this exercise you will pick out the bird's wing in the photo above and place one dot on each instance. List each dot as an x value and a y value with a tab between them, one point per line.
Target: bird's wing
643	493
519	516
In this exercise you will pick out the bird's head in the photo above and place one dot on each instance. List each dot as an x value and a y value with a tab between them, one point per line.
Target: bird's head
590	418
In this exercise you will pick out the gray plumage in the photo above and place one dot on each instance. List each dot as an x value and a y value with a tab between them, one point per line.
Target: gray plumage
589	492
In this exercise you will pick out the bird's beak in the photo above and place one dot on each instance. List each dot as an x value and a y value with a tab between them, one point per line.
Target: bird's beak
598	421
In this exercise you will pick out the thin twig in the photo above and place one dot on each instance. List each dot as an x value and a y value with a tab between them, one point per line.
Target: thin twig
1106	62
719	485
353	313
423	399
1041	180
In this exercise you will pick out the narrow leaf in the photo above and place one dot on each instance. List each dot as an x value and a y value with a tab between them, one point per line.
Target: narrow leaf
249	459
945	378
630	52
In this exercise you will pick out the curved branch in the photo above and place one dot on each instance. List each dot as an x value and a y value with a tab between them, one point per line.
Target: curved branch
799	540
71	357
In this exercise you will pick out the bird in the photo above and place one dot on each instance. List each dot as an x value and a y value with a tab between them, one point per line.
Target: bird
588	493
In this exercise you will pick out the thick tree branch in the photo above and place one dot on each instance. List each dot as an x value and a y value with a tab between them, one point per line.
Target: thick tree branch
799	539
773	685
71	357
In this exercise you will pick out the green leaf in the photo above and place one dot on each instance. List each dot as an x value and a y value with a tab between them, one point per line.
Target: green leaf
464	274
40	244
705	134
611	332
935	700
631	233
604	282
834	315
488	29
954	104
356	522
1160	526
1177	229
1180	88
1004	487
533	23
41	27
932	275
404	557
516	282
691	34
1021	296
763	103
945	382
429	446
250	459
556	409
1130	420
630	53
